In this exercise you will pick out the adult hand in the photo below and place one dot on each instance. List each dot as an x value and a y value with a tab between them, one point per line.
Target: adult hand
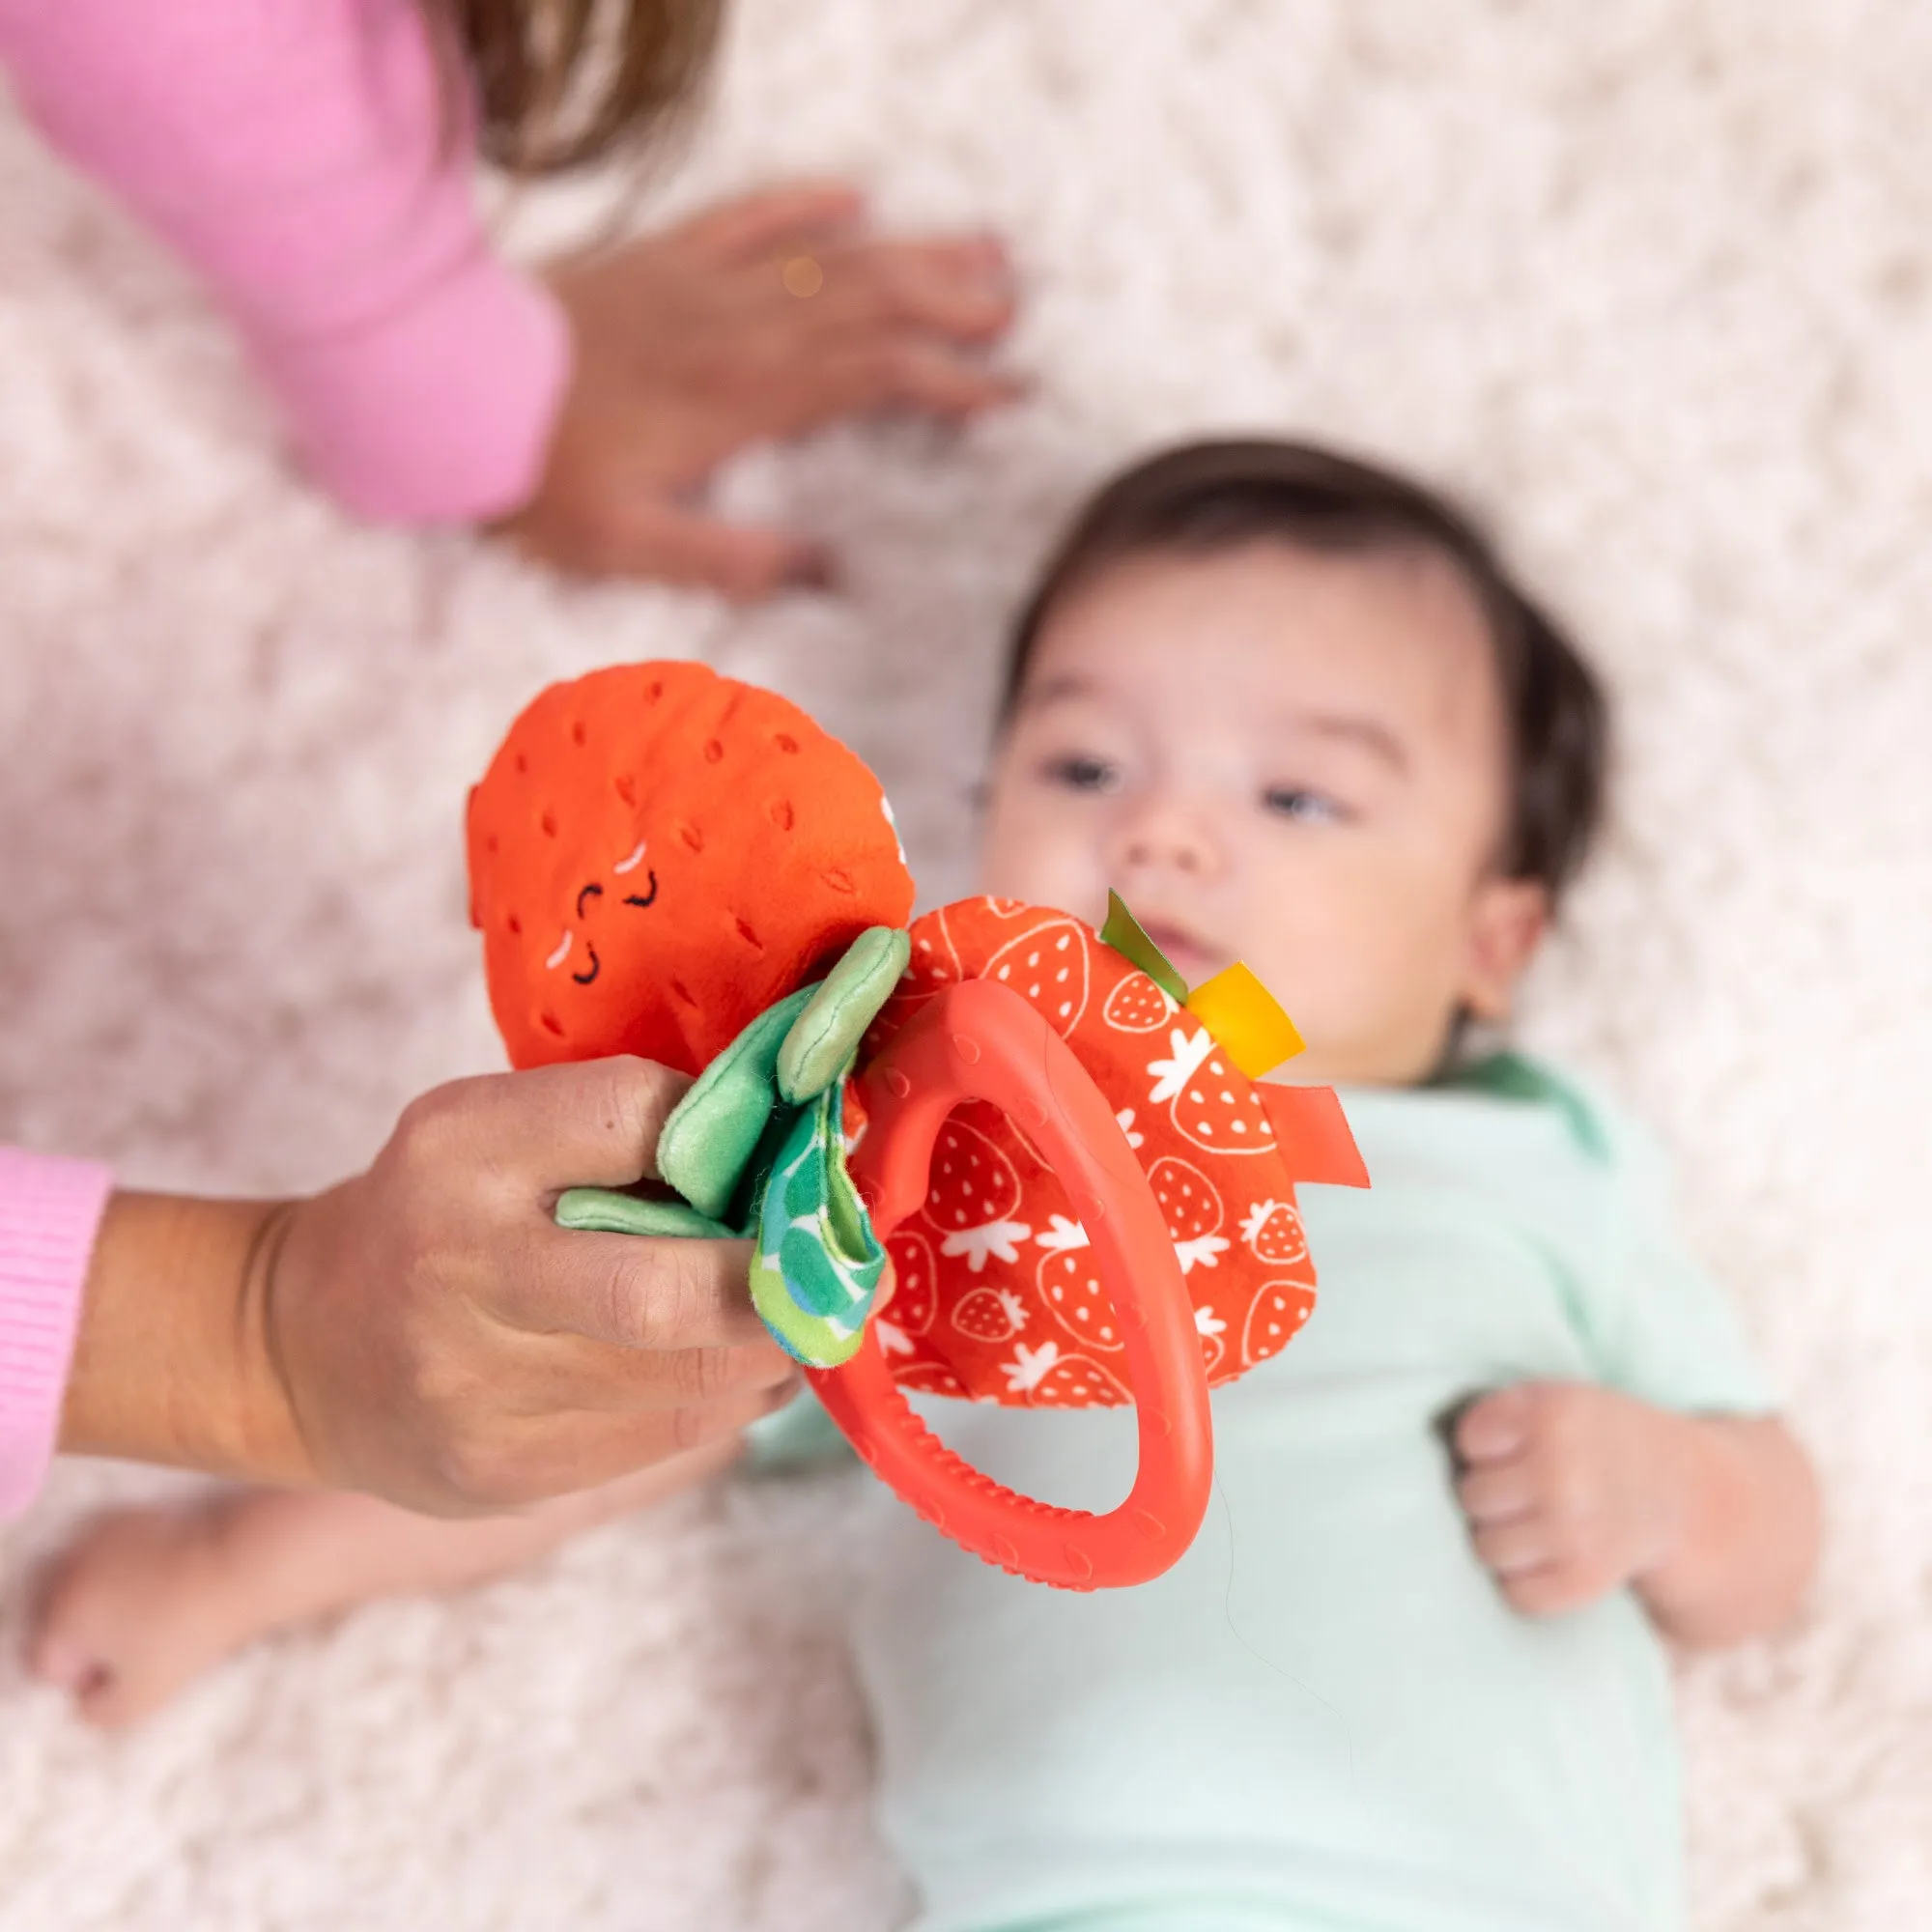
425	1331
762	319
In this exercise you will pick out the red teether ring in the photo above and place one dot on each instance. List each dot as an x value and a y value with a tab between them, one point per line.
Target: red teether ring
978	1040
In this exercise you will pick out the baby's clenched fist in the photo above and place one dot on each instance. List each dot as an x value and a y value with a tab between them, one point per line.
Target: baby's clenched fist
1571	1490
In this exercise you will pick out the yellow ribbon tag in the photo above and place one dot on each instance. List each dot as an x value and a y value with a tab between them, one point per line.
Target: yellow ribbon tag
1247	1020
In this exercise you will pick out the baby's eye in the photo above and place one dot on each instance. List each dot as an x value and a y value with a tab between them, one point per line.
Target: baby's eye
1306	807
1083	773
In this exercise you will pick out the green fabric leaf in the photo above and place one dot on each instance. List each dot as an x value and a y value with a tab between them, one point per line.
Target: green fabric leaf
714	1131
826	1034
1122	932
758	1140
602	1212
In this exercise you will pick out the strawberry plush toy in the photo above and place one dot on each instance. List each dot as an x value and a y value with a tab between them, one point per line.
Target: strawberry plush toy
1084	1196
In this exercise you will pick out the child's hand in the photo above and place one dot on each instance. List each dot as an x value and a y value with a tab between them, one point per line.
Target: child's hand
1571	1489
762	319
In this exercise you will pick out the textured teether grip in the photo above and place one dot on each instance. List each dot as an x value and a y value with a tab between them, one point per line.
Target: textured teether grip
978	1041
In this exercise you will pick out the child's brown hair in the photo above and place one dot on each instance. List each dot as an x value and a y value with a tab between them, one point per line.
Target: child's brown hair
559	83
1203	498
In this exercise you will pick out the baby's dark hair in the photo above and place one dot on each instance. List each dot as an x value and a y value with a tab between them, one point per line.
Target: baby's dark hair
558	84
1205	497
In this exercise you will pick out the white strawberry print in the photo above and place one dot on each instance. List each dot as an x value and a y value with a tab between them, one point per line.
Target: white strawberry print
1048	967
1063	1235
1279	1310
1186	1053
1136	1005
990	1314
1125	1118
915	1285
1075	1382
1200	1252
1190	1203
930	1378
1070	1286
1219	1112
893	1339
1273	1230
973	1196
1030	1367
936	957
1210	1328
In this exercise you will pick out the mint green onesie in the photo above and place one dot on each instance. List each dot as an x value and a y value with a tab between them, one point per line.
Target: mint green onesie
1324	1718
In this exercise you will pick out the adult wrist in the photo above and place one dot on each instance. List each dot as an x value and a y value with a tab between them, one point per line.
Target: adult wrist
173	1362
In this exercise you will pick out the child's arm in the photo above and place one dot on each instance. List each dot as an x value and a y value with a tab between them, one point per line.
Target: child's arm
1573	1489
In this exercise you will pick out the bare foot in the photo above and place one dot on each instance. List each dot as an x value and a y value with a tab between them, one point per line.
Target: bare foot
146	1600
141	1602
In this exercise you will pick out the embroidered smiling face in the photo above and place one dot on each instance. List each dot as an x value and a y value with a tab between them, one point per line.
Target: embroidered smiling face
657	854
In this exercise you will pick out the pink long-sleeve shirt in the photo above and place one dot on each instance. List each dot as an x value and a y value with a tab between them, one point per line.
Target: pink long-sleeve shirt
49	1210
298	153
302	156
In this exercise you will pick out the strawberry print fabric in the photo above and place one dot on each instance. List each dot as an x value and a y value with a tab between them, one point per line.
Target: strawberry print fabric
997	1297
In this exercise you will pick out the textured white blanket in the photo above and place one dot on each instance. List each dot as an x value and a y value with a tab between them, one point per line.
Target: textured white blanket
1649	279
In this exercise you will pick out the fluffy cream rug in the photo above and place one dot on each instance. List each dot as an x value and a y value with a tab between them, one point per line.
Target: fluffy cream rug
1652	281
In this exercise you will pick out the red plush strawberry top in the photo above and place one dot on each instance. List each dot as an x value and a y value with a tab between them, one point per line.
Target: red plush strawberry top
657	854
997	1296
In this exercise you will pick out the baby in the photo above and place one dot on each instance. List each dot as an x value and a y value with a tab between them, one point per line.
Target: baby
1411	1675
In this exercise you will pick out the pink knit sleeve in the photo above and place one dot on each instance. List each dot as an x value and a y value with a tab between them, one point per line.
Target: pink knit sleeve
49	1210
298	153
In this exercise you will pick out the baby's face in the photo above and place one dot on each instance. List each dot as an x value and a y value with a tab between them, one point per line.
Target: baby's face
1292	759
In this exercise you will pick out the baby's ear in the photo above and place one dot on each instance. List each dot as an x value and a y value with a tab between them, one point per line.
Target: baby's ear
1508	918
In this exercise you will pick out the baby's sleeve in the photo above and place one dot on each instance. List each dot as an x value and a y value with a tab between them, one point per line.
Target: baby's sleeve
1666	1329
301	158
50	1211
801	1435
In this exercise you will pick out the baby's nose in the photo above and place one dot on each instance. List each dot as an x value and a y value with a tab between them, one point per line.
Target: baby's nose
1167	835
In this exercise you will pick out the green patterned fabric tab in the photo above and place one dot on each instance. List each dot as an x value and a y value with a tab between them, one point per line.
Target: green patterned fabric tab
816	1269
757	1141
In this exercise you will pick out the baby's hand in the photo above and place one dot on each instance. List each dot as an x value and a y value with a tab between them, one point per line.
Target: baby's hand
762	319
1571	1490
